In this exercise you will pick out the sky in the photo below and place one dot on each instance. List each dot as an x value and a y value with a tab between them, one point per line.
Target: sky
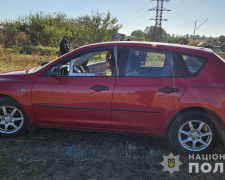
132	14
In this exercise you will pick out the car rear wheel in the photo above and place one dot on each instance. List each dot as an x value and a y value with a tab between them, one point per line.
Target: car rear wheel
194	133
12	118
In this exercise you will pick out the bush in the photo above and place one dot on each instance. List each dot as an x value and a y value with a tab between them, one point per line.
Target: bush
223	44
1	50
39	50
25	50
195	43
208	45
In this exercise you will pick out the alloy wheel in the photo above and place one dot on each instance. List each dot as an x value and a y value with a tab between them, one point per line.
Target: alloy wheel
11	119
195	135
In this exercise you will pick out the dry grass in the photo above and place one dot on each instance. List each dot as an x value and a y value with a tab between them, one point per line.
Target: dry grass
222	55
13	61
70	154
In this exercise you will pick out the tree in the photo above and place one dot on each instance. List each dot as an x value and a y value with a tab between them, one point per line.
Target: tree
8	31
48	29
101	26
222	39
154	33
178	40
95	28
138	34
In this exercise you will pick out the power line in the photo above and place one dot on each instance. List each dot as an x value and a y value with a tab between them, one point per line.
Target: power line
136	12
130	27
136	19
195	30
148	21
159	9
178	5
188	10
139	24
201	25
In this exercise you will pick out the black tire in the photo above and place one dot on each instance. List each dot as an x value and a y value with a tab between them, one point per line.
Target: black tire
194	133
13	120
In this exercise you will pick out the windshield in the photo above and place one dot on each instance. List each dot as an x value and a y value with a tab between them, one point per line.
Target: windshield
35	69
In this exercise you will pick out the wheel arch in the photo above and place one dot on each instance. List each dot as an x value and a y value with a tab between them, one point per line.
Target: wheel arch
2	96
30	125
219	124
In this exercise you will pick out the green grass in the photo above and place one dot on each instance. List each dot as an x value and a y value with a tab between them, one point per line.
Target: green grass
154	60
98	58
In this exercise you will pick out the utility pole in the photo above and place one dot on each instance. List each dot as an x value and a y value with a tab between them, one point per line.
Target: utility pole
194	31
159	12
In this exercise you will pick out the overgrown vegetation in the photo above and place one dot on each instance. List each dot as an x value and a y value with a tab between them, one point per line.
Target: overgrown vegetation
14	60
222	54
48	29
30	40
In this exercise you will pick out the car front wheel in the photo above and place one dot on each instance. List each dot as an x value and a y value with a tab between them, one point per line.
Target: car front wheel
194	133
12	118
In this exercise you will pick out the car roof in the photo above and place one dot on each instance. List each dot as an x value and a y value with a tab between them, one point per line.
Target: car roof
166	46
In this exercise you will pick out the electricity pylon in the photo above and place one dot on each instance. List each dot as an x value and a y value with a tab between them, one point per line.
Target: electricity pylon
159	12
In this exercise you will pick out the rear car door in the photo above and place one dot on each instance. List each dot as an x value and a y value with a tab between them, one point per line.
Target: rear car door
81	94
148	90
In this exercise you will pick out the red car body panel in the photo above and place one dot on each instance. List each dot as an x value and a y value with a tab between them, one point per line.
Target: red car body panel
18	85
130	104
140	104
206	90
74	101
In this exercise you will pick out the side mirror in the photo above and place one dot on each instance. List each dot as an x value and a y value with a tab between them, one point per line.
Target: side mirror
54	72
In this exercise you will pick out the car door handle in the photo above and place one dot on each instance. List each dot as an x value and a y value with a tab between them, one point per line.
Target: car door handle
168	90
99	88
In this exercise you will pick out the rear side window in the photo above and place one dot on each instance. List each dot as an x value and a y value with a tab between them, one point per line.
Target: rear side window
193	63
151	63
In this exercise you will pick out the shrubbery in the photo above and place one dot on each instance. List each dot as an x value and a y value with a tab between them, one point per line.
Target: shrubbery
1	50
26	50
39	50
208	45
48	30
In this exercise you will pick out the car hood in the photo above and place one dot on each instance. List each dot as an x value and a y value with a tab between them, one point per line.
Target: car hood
15	72
17	76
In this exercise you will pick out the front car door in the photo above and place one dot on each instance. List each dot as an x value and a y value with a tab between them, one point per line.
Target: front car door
150	87
81	94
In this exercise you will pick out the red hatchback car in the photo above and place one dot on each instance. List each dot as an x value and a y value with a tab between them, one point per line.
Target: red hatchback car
135	87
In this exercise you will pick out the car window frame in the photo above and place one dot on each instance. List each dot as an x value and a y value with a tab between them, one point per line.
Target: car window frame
76	55
184	67
156	50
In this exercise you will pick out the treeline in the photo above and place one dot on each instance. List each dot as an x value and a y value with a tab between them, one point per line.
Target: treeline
42	29
157	34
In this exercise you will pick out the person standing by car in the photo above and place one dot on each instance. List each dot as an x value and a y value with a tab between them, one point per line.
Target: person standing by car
64	45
